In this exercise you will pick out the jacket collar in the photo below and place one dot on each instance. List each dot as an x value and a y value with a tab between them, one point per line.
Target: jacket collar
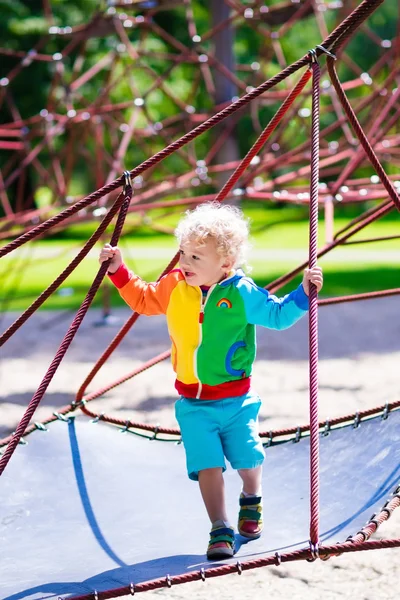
233	276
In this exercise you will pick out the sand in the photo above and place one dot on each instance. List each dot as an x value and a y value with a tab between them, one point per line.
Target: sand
359	368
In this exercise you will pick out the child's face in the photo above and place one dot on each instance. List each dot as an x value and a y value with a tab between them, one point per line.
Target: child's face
201	264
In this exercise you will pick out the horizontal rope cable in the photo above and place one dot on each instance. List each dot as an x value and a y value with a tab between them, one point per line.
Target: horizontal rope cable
273	560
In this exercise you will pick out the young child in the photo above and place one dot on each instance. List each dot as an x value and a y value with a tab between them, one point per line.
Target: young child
212	309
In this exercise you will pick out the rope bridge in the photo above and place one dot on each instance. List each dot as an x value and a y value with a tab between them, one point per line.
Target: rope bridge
329	48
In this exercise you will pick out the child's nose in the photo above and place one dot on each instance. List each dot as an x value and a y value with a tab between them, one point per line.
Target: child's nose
184	261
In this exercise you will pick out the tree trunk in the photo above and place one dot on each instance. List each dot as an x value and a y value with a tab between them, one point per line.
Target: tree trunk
225	89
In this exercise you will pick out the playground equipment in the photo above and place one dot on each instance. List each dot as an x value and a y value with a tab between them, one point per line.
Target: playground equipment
79	449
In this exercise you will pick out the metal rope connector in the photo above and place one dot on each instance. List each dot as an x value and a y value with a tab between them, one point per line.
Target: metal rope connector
386	411
325	51
127	180
313	55
126	427
98	418
156	430
22	440
77	404
314	549
62	417
40	426
298	435
268	443
327	428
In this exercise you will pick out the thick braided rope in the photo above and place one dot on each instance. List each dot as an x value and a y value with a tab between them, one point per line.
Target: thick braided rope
365	296
354	20
67	271
327	425
263	137
375	133
275	559
380	211
233	179
69	336
150	363
361	135
383	410
359	218
313	313
383	238
324	133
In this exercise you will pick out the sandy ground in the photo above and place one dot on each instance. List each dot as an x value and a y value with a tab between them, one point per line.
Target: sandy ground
359	368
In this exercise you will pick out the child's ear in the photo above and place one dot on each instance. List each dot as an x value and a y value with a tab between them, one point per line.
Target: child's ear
228	264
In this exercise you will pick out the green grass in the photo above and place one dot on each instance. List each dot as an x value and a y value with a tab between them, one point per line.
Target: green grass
24	275
271	227
340	279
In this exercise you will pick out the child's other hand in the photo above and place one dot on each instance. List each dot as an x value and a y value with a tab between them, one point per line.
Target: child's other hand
114	253
314	276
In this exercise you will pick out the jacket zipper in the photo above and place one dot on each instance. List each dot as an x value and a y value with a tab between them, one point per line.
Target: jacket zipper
203	302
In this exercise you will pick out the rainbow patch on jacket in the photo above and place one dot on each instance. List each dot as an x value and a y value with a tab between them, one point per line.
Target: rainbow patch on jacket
224	303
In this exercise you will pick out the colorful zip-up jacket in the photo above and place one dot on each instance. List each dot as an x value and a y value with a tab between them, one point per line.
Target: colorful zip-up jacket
213	337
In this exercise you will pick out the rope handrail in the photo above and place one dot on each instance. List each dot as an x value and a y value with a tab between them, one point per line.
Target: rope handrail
273	560
313	311
298	431
354	297
125	198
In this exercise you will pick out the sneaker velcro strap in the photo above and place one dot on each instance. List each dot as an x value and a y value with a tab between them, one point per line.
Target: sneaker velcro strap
251	514
250	501
222	531
221	538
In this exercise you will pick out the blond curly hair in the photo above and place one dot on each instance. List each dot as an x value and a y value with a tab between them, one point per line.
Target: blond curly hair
226	224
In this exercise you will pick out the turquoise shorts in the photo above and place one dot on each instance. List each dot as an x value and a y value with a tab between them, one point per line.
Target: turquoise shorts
214	429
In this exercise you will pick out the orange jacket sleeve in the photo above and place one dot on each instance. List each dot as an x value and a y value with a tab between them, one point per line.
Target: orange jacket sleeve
145	298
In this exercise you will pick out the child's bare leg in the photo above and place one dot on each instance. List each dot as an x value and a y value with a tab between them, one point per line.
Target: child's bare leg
222	537
212	489
251	480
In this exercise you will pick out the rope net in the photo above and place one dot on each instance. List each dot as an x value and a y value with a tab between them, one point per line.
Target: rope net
65	122
81	129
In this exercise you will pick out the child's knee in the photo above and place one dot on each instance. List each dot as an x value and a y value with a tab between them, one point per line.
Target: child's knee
250	472
210	472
